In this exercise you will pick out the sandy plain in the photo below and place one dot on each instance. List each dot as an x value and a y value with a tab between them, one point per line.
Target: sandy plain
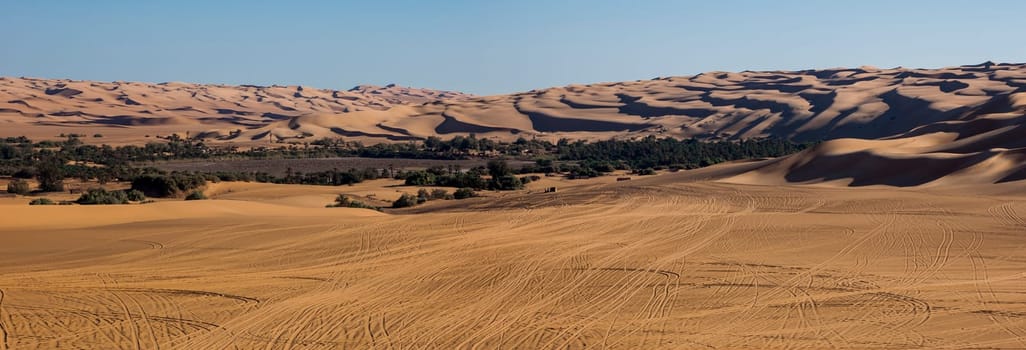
668	261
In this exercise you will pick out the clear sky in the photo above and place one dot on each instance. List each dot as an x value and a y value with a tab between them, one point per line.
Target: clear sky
490	47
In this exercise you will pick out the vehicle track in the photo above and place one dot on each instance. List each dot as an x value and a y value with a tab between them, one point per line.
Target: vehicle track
3	323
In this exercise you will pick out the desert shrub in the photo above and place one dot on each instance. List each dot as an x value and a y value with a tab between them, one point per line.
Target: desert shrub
18	186
405	201
646	171
506	182
528	179
439	193
345	202
97	135
101	196
42	201
195	196
135	195
423	196
160	186
464	193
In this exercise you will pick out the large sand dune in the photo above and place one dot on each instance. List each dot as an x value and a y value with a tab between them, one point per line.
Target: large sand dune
661	262
984	145
861	102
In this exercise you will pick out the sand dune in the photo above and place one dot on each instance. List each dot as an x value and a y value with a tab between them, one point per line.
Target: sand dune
984	145
126	111
803	105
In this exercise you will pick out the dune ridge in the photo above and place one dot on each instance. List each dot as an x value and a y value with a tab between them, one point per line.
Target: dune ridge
806	105
953	124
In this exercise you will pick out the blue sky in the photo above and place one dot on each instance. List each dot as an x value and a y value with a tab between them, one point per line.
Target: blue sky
490	47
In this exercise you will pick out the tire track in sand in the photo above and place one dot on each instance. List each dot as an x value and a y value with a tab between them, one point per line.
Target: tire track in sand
3	325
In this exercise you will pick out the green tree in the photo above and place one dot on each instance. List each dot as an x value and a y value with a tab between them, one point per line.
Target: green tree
50	176
498	167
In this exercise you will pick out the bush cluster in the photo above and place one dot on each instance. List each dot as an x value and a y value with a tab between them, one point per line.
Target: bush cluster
502	177
196	196
406	200
342	201
18	186
161	186
423	195
102	196
464	193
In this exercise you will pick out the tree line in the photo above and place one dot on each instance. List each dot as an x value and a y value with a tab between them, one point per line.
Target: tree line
53	161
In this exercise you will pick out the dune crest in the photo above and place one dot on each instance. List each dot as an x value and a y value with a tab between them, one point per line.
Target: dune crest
809	105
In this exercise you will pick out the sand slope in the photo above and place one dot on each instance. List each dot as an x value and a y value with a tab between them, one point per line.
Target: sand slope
984	145
656	262
861	102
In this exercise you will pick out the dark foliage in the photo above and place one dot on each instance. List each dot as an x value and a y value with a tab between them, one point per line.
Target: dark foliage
464	193
651	151
405	200
161	186
439	193
18	186
101	196
342	201
53	161
135	195
50	176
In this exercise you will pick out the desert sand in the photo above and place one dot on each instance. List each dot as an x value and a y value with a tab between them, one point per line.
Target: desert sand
904	229
676	260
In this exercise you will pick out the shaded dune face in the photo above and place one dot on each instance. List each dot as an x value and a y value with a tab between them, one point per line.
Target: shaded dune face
985	144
